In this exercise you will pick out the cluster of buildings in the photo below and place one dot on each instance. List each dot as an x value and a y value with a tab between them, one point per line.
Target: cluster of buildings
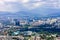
33	22
51	37
12	26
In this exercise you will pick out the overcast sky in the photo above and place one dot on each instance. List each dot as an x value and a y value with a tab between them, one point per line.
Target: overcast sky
25	5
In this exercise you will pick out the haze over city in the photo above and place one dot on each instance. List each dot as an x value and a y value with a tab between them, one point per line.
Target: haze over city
29	19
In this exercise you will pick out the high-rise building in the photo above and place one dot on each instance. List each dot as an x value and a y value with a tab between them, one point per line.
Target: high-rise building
17	22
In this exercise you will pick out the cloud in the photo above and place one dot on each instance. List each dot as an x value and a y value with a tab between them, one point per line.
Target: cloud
31	4
52	4
5	5
18	5
24	1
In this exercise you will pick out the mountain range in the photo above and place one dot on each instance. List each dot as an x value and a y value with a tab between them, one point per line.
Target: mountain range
30	14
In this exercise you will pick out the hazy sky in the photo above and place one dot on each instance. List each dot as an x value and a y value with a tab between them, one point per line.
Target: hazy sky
24	5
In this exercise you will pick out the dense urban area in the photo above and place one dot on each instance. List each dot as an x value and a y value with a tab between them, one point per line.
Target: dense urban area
42	28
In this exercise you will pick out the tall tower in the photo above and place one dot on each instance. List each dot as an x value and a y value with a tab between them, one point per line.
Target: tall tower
17	22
